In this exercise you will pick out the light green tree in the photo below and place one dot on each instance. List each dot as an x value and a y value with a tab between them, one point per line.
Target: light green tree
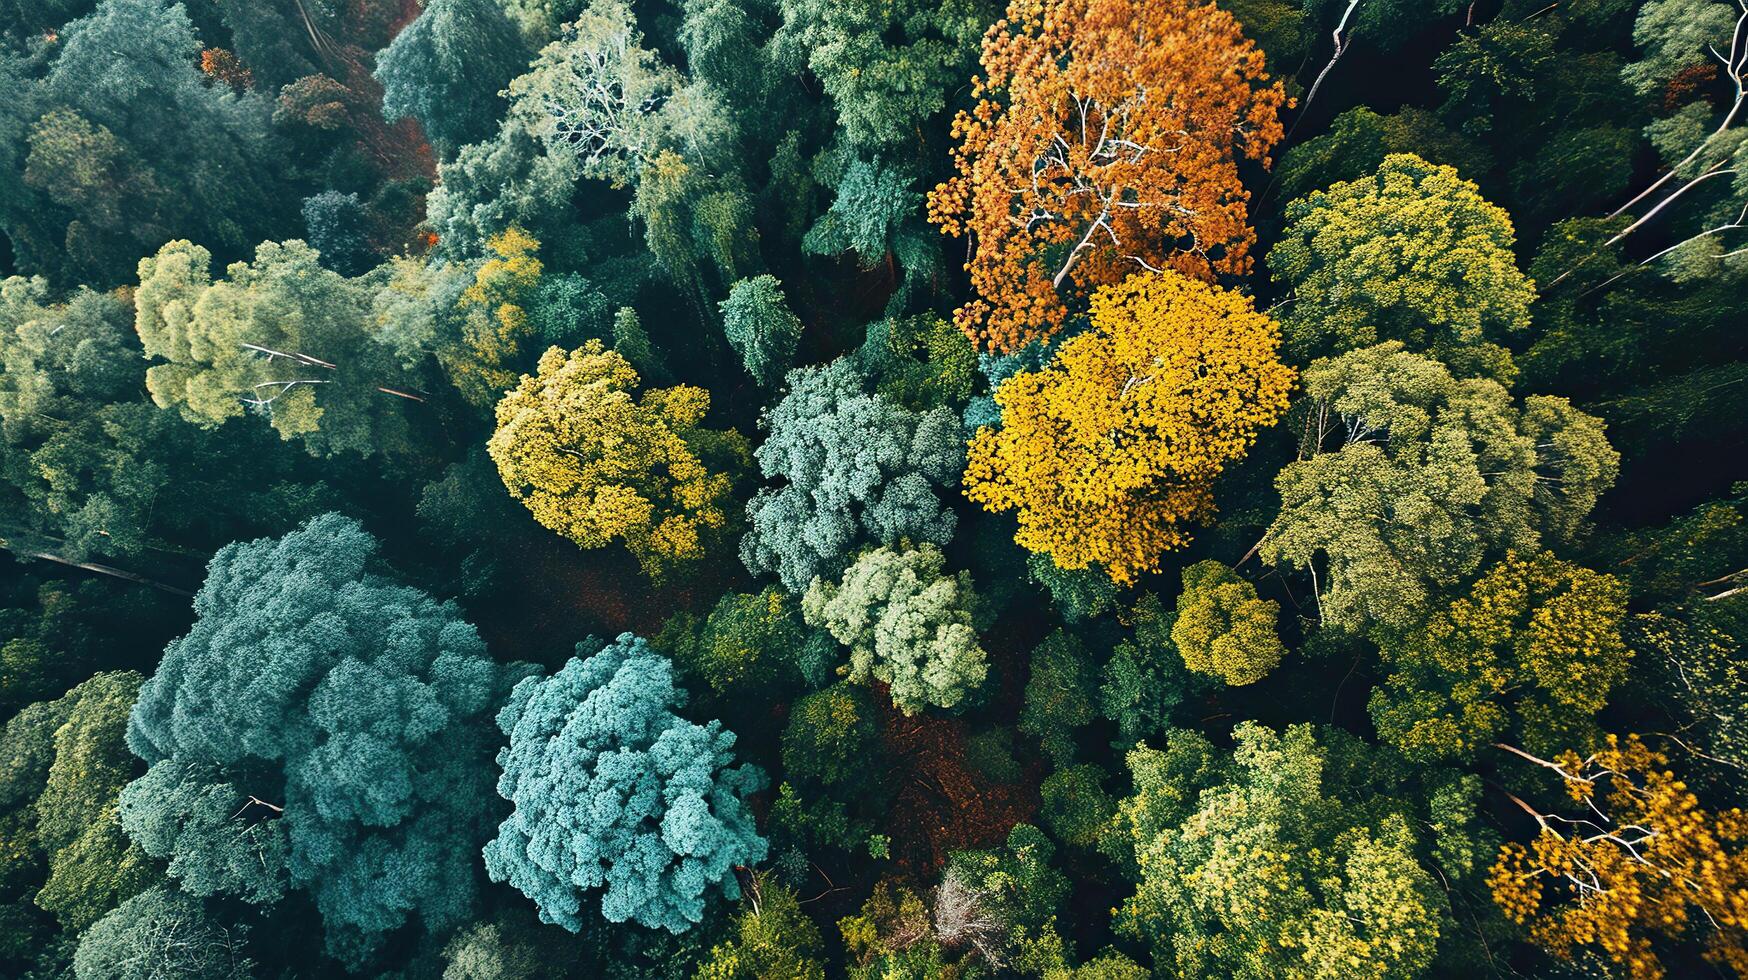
1412	253
1248	868
1426	476
907	624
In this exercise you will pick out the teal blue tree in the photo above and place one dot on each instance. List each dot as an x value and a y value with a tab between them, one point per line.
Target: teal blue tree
346	713
614	791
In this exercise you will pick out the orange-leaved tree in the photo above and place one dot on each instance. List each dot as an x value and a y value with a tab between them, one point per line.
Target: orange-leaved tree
1642	862
1105	141
1105	453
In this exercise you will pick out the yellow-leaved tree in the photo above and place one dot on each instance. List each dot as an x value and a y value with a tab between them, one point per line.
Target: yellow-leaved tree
1642	863
594	463
1109	450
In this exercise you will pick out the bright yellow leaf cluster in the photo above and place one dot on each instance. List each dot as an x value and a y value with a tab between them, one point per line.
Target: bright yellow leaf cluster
1105	453
1642	859
594	464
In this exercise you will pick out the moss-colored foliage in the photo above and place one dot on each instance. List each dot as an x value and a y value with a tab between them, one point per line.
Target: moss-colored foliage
339	704
1061	695
892	935
751	646
858	469
1458	471
832	737
1076	808
1529	655
63	763
1411	253
1249	869
612	791
920	362
487	356
1145	679
594	463
907	623
772	938
1222	627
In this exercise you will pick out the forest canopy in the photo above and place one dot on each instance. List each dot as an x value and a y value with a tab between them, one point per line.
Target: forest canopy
915	490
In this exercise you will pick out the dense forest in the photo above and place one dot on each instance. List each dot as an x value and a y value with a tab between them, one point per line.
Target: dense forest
873	489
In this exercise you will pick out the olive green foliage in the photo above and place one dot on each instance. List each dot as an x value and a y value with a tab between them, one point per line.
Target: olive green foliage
772	938
1458	471
1222	627
62	764
1412	253
750	646
1249	868
1076	808
119	144
1359	139
892	935
832	737
907	624
920	362
1061	695
1528	656
1145	678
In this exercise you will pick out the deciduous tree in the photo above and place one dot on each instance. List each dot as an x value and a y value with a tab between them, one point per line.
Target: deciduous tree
1249	868
448	69
1107	452
1105	141
907	624
759	326
858	468
1643	862
594	463
344	705
1533	650
281	336
1412	253
1431	475
1222	627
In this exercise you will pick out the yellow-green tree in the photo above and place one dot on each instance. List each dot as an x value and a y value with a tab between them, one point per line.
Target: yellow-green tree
1105	453
1223	628
1533	649
485	359
1643	862
595	463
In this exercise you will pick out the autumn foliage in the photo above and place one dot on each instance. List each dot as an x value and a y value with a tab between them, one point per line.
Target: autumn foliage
1105	141
594	464
1107	452
1642	861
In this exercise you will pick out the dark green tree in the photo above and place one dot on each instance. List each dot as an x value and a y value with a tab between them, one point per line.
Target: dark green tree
448	68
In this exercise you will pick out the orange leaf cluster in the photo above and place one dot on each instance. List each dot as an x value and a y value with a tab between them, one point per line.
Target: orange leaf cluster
1643	859
1105	141
1106	452
224	66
